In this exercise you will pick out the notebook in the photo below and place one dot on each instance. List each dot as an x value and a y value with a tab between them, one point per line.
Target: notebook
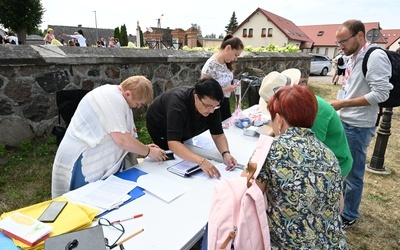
25	228
91	238
184	168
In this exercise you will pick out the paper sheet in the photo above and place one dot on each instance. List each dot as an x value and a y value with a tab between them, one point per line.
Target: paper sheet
104	194
203	142
161	186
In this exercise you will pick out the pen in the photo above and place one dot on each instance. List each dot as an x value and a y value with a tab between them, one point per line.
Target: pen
130	218
164	156
129	237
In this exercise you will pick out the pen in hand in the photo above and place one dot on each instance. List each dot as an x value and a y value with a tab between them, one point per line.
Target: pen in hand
130	218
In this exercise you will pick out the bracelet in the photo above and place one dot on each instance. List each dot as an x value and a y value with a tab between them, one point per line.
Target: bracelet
225	152
148	151
202	161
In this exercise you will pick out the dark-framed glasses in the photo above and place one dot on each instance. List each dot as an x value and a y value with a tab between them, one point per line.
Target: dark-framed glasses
116	225
343	42
209	107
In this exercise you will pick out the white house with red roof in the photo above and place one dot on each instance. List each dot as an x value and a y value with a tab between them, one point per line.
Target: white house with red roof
263	28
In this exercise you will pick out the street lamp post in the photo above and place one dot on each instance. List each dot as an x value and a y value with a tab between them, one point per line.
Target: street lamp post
95	22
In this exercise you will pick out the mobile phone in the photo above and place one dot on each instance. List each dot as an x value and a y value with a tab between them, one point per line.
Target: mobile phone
52	211
170	156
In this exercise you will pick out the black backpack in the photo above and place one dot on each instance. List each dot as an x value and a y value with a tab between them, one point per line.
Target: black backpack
394	96
340	61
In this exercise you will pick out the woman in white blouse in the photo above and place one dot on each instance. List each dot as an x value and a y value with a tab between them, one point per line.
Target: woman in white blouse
101	133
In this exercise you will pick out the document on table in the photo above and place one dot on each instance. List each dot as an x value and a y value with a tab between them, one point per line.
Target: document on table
221	168
104	194
161	186
203	142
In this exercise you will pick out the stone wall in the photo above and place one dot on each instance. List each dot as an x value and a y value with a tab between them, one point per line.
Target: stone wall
30	75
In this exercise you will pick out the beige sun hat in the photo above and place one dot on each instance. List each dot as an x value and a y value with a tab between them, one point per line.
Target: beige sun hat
272	82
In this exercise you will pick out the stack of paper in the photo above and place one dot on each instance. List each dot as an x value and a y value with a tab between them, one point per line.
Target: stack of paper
103	194
25	229
184	168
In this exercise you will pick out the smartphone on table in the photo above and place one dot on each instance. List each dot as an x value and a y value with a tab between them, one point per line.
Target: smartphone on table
52	211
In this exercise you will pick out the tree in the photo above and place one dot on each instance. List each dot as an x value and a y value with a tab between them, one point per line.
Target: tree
211	36
117	33
124	36
194	25
232	24
21	16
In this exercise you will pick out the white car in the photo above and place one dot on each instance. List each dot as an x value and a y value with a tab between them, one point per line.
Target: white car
320	65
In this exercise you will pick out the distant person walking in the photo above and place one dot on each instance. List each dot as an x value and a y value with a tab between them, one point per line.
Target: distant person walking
341	63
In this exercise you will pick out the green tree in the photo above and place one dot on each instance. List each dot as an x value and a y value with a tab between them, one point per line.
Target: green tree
232	24
21	17
194	25
124	36
211	36
117	33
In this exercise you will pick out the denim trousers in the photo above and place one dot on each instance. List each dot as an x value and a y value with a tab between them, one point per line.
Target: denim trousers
359	140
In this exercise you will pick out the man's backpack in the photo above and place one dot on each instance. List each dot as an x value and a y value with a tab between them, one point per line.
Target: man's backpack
340	61
394	96
238	216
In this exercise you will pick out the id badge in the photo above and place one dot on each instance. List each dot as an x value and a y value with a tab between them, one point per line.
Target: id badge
340	95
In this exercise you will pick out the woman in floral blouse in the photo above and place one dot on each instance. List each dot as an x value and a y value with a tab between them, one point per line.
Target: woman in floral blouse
301	177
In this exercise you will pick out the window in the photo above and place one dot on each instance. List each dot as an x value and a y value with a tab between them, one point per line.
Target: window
250	32
244	33
326	51
269	32
317	50
320	33
263	32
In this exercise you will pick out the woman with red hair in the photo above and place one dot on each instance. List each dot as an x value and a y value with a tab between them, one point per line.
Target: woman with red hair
301	177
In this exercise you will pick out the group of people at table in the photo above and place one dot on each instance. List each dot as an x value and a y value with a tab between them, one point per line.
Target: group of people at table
303	173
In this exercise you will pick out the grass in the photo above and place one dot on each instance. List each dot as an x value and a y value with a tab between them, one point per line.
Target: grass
25	179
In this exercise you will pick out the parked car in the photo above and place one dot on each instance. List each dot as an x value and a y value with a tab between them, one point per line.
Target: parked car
320	65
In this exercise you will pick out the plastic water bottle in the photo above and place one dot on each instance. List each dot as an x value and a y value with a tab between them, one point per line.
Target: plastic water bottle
238	90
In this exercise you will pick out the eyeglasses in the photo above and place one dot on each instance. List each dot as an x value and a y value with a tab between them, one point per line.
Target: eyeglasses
209	107
343	42
116	225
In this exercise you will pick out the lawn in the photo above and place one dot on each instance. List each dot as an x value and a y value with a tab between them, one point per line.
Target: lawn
25	179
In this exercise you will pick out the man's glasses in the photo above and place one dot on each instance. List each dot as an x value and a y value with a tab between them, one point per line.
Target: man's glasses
209	107
115	225
343	42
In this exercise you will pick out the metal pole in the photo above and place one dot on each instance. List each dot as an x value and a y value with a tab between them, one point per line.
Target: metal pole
95	21
383	133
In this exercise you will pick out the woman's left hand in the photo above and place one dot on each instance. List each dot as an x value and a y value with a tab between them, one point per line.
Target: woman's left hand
230	162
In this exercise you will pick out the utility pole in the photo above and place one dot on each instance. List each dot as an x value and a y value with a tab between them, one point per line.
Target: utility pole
95	22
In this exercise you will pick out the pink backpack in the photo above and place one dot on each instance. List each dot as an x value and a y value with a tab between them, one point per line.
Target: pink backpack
238	208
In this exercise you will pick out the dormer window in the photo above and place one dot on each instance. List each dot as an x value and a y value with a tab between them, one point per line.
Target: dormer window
320	33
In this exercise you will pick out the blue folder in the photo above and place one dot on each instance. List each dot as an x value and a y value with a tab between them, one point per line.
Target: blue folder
6	243
131	174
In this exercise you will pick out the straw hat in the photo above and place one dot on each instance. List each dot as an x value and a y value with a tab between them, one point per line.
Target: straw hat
273	81
49	29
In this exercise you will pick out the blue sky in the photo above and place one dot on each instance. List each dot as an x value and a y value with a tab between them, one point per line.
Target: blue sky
213	16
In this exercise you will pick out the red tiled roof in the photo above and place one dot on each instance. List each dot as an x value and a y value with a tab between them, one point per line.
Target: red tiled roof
286	26
391	36
328	31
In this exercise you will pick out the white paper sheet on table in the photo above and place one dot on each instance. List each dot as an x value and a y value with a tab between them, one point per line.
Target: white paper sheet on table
161	186
104	194
203	142
224	173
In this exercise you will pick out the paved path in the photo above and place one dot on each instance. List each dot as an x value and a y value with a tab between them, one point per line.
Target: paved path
324	79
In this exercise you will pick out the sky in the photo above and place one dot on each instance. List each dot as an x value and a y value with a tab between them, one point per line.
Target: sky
213	15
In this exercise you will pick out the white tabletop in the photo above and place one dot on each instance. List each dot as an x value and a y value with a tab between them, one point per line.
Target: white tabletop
180	223
175	225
